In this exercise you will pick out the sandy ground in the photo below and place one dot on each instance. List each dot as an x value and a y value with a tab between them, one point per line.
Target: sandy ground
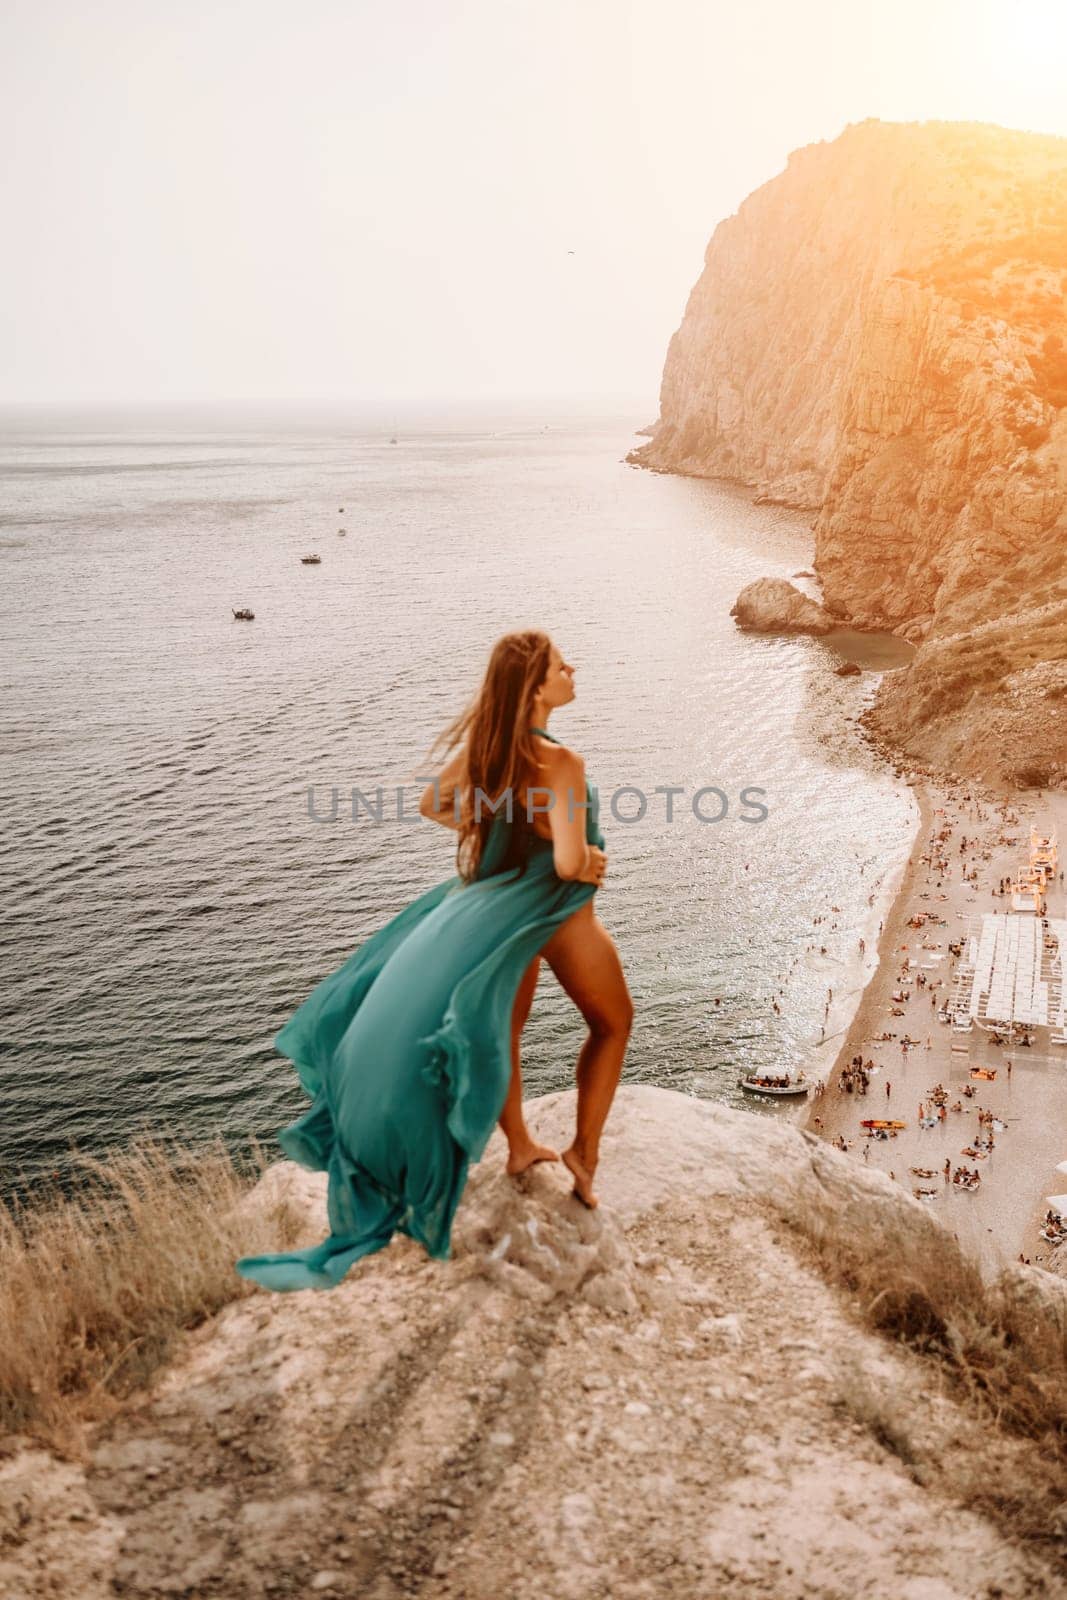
658	1400
1001	1220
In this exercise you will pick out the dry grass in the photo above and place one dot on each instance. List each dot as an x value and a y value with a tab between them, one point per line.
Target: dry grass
96	1285
1000	1349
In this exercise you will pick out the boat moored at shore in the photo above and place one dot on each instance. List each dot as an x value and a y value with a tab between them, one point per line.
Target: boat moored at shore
776	1085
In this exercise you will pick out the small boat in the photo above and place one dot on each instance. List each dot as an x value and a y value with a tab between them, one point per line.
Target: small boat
341	532
340	511
775	1085
881	1122
243	615
311	561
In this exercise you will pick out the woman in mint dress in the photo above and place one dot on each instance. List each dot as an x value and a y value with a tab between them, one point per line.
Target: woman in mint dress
409	1052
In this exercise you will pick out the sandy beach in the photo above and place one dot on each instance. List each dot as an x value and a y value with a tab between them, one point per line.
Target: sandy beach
1001	1220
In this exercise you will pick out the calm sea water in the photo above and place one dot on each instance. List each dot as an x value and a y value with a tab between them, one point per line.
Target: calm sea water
167	899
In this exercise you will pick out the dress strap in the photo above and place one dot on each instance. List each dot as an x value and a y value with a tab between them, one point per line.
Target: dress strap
545	734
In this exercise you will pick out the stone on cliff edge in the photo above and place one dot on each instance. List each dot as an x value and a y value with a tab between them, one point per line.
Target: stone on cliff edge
773	605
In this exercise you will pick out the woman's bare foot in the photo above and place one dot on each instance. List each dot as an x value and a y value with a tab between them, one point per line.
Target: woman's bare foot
524	1155
583	1179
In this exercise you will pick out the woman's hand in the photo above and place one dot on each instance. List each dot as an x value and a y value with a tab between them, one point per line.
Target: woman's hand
438	799
595	867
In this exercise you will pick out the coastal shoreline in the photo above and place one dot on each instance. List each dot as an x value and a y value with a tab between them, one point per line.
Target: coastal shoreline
1004	1221
896	908
1001	1221
828	1053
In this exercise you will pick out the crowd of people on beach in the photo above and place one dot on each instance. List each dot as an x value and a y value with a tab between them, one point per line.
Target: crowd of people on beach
1054	1228
856	1077
951	856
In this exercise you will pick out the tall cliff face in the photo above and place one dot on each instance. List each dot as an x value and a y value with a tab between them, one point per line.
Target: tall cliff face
880	334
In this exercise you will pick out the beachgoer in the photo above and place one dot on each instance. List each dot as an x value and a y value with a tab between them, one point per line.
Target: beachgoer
410	1050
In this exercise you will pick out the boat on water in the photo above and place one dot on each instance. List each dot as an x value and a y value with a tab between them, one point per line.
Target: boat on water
243	614
311	561
776	1085
341	532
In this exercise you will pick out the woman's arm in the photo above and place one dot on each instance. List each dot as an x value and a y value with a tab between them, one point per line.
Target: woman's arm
572	856
445	786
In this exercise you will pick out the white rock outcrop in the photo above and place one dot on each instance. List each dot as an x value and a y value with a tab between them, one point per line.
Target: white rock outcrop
656	1399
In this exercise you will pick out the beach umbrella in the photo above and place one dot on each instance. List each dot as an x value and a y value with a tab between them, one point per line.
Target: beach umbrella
1058	1202
1062	1167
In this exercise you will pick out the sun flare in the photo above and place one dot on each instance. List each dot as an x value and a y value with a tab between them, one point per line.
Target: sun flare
1027	37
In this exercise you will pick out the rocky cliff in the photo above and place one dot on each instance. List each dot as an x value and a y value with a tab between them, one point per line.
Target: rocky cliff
662	1398
880	335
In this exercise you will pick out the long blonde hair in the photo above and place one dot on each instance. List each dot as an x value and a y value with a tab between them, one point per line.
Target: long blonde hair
501	753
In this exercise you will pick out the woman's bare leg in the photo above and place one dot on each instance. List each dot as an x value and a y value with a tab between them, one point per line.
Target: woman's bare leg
522	1151
583	956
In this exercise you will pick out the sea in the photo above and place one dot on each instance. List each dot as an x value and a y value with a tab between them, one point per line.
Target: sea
181	859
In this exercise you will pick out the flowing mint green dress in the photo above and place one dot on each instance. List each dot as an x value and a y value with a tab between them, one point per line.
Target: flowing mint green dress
405	1052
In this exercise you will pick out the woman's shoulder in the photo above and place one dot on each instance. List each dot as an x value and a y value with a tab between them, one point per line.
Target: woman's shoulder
557	756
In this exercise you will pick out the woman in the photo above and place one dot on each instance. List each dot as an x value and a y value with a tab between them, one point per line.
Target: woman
410	1051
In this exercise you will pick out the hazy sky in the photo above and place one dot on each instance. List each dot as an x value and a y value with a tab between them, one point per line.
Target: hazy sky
375	199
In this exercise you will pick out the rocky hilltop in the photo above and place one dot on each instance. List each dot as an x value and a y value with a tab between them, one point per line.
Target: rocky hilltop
880	335
668	1396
